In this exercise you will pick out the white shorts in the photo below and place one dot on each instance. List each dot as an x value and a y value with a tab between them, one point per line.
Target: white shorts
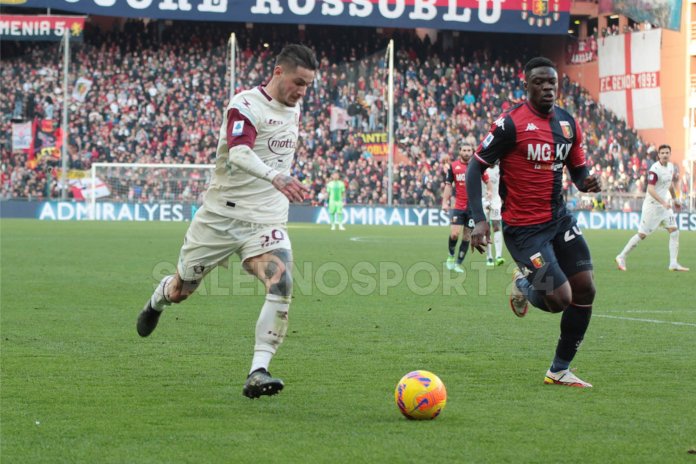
211	239
655	216
493	211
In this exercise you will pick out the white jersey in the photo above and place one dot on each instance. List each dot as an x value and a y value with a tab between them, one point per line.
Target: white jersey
494	177
661	177
270	129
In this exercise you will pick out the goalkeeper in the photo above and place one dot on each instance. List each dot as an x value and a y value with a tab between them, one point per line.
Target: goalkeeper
336	190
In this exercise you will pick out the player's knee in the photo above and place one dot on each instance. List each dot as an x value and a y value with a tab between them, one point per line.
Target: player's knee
642	236
559	299
585	295
454	235
284	285
466	236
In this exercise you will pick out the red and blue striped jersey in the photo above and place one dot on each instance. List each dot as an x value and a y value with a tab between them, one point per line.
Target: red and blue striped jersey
532	149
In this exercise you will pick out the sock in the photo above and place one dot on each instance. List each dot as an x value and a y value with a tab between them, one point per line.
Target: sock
574	323
533	295
160	299
635	240
498	240
270	330
452	245
489	249
463	248
673	247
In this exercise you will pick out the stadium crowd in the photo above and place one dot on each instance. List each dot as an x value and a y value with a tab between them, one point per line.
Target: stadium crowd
157	97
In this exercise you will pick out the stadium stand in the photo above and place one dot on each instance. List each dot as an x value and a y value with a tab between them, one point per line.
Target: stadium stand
157	97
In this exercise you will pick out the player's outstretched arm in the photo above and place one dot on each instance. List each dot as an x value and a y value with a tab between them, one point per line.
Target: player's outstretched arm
481	236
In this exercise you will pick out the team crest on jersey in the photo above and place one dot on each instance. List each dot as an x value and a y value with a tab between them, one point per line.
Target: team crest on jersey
537	260
487	141
198	269
567	130
238	128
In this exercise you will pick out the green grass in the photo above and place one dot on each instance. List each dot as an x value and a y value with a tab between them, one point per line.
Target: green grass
79	385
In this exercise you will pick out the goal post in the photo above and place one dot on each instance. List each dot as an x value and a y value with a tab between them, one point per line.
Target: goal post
145	183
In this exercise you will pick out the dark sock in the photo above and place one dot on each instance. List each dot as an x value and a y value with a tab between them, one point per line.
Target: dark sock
559	364
463	248
452	245
574	323
533	295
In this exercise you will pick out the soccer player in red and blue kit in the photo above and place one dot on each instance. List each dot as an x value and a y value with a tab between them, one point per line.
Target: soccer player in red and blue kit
533	142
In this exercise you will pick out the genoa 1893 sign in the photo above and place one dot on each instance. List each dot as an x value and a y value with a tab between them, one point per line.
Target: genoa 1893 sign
518	16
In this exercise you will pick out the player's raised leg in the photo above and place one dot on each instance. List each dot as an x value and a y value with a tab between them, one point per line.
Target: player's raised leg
274	269
632	243
172	289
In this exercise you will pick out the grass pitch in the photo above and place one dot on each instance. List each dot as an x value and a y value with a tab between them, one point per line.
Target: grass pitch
79	385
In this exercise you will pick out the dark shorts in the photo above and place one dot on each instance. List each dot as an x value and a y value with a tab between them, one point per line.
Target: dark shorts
462	217
549	252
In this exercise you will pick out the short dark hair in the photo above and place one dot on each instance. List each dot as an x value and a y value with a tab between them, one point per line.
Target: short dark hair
664	146
295	55
538	62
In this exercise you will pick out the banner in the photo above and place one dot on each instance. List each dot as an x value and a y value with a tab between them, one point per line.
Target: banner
21	136
339	118
376	144
44	28
82	86
48	139
513	16
662	13
581	51
629	77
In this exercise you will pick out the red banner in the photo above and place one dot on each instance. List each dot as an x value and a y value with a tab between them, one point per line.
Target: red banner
46	28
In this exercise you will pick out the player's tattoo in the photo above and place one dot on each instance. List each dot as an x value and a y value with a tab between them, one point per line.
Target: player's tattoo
284	285
282	180
272	269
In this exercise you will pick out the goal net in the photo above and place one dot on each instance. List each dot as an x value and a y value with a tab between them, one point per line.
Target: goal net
163	184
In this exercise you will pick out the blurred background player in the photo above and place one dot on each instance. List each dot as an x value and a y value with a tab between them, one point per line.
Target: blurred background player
461	215
245	210
533	142
492	209
657	211
336	190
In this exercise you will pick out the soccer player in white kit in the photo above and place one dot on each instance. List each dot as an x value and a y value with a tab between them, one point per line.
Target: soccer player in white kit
492	210
657	210
245	209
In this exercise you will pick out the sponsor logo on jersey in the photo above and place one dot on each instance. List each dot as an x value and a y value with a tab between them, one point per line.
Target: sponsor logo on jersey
198	269
531	127
487	141
537	260
544	152
460	178
274	122
283	143
567	130
237	128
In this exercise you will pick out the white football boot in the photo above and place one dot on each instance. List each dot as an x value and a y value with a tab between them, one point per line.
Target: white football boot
565	377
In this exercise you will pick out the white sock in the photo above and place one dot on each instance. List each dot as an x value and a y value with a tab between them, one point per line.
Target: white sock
498	240
635	240
489	252
160	299
270	330
673	247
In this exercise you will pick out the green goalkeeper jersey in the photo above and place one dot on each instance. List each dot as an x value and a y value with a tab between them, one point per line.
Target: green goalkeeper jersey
335	190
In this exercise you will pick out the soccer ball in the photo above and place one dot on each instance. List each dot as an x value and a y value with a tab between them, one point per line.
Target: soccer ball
420	395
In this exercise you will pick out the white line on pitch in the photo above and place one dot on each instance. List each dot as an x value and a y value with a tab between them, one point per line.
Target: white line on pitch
660	312
644	320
